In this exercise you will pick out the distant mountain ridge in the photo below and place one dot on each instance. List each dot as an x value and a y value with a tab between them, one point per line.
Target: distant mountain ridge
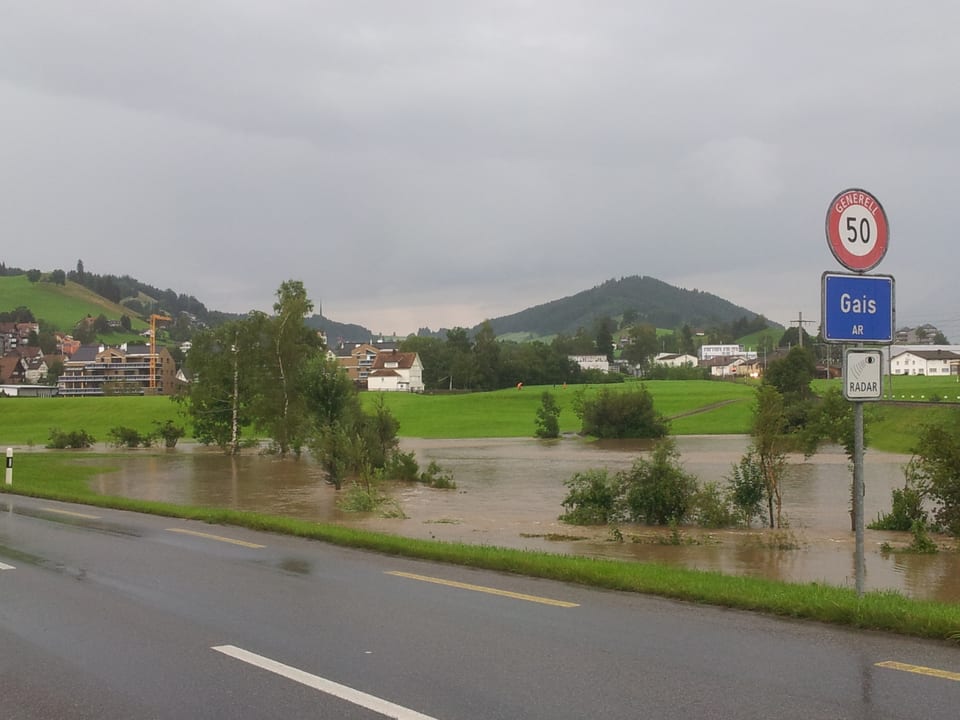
653	301
648	299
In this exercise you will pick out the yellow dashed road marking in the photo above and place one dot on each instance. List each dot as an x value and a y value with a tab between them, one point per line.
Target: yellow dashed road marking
482	589
218	538
920	670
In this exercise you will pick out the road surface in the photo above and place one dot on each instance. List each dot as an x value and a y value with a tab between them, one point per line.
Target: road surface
109	614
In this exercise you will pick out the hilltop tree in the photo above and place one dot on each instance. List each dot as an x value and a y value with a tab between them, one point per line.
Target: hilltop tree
486	356
460	358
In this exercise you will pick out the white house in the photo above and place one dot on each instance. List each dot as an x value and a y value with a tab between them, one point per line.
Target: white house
925	362
395	371
726	367
591	362
675	360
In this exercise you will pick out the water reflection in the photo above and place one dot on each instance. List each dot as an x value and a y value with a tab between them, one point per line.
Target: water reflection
510	492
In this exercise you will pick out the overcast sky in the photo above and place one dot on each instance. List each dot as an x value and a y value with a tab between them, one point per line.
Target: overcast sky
437	163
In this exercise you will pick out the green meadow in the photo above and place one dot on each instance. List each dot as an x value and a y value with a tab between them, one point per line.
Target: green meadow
63	306
695	407
28	421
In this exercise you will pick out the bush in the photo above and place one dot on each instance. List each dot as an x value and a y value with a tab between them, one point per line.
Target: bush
74	439
937	468
747	488
548	417
169	432
921	542
622	414
128	437
592	499
906	505
658	491
436	477
711	507
403	466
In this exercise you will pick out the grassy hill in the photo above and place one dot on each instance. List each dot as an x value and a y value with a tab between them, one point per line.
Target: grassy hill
654	301
62	306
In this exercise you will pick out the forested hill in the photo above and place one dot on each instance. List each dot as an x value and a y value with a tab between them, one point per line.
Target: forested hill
649	301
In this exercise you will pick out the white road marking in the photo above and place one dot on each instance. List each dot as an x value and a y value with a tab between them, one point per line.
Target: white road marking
484	589
370	702
71	513
4	566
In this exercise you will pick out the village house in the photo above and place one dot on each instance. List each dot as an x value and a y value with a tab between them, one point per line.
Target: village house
675	360
727	367
14	335
395	371
591	362
925	362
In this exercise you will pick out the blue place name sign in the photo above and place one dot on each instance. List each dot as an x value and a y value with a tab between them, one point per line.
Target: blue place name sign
857	308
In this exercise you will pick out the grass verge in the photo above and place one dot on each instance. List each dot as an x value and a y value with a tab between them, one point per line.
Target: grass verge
58	476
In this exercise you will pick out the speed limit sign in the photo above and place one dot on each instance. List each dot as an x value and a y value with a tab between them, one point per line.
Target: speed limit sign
857	230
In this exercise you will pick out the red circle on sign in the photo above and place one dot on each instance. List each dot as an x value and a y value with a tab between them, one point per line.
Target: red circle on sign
857	230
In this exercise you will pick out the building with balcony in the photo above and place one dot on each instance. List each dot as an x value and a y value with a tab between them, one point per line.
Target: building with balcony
123	370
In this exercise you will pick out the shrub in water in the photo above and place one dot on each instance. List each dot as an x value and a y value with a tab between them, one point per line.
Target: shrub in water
127	437
658	491
63	440
592	499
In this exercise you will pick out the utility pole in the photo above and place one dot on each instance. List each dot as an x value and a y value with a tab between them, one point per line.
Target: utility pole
799	322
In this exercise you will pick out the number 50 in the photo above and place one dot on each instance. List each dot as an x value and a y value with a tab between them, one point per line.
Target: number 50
858	230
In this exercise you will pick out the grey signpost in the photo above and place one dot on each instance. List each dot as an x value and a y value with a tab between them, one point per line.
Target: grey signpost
858	308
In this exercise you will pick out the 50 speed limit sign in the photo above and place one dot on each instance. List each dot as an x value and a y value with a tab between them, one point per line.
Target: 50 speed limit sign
857	230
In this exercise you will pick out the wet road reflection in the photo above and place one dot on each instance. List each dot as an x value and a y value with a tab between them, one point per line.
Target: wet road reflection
509	493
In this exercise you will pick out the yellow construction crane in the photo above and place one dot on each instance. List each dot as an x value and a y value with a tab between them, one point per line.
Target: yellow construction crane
154	319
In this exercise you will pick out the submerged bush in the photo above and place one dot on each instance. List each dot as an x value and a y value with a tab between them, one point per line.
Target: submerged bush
658	491
906	505
436	477
73	439
593	498
128	437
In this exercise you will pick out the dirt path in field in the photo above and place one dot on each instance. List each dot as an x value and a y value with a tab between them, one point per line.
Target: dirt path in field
706	408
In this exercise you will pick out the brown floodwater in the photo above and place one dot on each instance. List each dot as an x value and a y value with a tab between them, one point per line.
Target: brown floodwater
510	492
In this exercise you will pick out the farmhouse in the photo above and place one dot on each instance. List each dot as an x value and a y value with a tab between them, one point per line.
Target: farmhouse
395	371
925	362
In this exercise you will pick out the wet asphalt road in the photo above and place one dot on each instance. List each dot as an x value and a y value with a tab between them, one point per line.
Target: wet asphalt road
105	614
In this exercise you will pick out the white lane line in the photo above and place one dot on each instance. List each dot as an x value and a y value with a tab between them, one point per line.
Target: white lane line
85	516
370	702
4	566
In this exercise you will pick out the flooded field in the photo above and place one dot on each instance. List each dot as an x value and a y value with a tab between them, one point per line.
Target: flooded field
509	493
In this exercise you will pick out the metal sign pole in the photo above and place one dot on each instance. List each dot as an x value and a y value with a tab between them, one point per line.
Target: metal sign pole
858	492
